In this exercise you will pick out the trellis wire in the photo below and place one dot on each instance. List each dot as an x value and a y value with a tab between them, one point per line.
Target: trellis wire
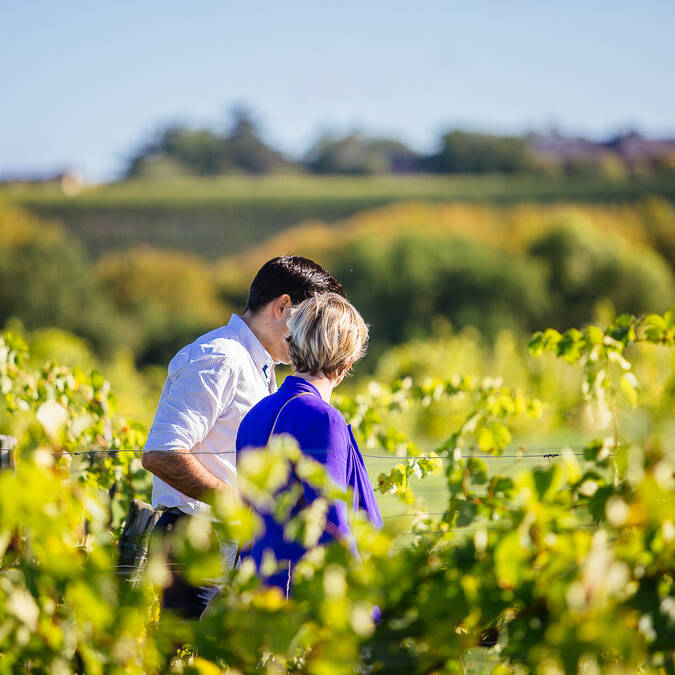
559	452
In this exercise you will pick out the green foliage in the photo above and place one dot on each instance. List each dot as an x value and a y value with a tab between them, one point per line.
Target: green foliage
558	559
202	152
199	151
569	562
63	609
520	268
584	265
446	353
248	151
72	410
402	284
358	154
54	344
46	281
465	152
659	218
152	302
168	298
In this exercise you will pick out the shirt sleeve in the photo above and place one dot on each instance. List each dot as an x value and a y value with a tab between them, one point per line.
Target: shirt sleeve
193	398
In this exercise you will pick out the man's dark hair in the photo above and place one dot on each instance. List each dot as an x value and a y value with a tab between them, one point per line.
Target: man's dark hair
299	277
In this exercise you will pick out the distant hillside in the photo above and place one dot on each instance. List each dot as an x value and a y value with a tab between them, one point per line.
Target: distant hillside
221	216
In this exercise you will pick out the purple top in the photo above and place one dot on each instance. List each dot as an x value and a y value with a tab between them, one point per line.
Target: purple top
323	434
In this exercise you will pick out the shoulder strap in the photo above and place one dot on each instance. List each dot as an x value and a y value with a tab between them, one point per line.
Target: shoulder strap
276	419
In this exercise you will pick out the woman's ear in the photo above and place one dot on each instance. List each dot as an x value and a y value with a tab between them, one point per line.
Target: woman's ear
343	373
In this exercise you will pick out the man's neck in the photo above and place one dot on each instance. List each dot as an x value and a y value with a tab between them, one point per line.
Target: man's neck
259	328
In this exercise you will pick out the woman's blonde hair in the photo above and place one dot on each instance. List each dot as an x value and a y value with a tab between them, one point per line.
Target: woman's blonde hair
327	335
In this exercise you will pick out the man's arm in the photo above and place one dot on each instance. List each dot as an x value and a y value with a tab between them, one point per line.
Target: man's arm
184	472
187	411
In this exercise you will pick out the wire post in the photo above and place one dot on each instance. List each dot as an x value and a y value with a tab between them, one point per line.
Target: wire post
7	444
133	544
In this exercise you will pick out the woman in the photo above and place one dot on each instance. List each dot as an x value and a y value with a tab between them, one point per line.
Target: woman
326	336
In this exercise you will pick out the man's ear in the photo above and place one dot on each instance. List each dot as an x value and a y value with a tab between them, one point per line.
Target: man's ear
281	305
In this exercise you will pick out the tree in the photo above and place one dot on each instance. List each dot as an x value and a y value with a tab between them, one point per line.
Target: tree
248	151
356	153
465	152
179	149
584	266
197	151
168	297
402	284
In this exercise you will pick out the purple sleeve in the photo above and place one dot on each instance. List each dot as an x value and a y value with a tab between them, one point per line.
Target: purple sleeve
359	481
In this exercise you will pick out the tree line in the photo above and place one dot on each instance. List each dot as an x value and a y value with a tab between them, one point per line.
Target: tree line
179	149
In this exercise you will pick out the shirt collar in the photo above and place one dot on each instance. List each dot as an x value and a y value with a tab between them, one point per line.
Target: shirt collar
296	383
246	337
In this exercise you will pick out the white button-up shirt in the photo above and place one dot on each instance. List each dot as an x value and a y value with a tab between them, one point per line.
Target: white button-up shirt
211	384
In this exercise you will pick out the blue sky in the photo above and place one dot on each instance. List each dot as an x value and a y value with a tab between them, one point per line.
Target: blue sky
84	83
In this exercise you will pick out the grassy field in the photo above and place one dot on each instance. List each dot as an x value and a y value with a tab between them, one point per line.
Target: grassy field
215	217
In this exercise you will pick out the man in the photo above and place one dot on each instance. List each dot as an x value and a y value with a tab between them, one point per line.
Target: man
211	384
